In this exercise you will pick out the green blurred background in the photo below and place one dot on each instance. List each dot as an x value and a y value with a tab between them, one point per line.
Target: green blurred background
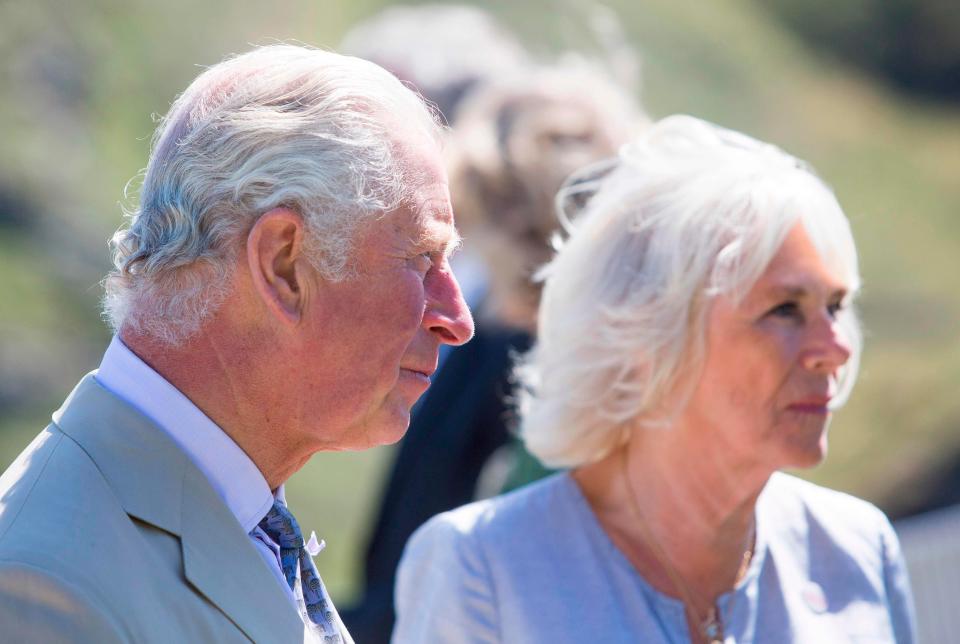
80	82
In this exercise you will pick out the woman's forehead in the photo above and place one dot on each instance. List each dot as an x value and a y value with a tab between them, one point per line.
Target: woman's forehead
800	267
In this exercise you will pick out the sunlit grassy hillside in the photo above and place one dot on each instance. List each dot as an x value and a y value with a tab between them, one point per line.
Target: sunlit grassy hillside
80	82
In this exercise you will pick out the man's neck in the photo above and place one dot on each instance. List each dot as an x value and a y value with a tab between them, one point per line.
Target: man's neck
222	382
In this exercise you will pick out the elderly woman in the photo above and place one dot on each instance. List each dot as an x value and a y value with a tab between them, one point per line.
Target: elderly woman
695	336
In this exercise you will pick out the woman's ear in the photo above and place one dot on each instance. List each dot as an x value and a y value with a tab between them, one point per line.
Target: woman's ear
275	257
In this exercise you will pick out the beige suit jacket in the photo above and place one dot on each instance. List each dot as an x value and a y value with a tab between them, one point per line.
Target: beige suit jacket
109	533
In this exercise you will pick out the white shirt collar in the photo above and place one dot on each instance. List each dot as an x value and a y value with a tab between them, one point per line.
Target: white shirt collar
230	471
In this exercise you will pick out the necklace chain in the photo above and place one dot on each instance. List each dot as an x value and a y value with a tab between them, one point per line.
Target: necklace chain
711	626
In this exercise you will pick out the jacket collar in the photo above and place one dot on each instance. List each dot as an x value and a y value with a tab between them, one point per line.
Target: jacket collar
157	483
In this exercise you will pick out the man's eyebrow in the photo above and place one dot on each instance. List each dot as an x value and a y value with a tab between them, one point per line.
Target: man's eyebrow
445	239
435	235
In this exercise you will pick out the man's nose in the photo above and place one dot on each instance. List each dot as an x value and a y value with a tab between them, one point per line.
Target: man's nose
446	313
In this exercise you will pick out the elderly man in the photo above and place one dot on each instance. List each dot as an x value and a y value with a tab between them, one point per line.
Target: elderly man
282	289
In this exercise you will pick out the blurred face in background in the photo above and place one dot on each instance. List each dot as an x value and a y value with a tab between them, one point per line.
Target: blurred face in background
514	145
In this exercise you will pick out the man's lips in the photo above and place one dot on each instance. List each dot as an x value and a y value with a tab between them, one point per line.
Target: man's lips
422	374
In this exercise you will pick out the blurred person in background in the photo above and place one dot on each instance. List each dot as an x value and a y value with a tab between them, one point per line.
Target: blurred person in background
696	333
443	50
519	131
282	289
514	144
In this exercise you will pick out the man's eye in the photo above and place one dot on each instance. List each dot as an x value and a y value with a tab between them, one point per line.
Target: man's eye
423	262
835	308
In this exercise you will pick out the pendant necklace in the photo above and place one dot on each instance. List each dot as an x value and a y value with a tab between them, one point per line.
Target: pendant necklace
710	627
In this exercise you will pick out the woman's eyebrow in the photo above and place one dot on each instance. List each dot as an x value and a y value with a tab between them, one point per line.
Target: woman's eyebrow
798	292
788	291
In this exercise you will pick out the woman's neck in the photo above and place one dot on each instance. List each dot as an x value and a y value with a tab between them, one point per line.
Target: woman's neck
659	502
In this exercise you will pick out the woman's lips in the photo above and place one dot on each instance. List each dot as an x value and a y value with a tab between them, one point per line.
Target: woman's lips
818	406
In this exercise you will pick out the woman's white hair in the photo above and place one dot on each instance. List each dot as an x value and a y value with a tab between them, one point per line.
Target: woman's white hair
687	212
282	125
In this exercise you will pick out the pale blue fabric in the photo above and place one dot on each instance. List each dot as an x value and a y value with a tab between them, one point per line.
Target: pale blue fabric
535	567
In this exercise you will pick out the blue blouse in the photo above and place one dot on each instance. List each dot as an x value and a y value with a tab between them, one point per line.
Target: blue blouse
536	566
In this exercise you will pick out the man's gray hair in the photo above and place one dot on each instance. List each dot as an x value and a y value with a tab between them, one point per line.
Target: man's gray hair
279	126
688	211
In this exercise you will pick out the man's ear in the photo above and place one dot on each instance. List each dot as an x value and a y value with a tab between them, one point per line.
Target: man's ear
275	255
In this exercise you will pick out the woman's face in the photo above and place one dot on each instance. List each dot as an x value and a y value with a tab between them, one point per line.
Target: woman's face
772	361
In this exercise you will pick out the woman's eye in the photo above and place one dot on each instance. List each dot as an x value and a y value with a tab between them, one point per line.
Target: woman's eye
789	310
835	308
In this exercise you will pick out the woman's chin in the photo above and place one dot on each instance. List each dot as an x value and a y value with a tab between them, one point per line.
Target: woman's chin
809	453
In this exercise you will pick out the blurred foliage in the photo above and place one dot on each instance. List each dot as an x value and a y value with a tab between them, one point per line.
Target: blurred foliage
914	44
81	80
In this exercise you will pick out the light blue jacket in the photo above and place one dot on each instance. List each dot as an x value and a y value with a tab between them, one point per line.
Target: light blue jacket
535	567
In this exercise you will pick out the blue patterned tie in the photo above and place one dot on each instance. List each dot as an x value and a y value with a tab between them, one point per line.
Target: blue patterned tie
280	526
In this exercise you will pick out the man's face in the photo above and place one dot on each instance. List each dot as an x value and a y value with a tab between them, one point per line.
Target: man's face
371	342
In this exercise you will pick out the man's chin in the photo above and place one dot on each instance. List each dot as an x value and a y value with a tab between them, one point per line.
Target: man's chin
390	438
385	426
391	430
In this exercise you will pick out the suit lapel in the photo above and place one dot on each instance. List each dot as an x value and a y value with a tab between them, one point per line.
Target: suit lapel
157	483
143	466
223	564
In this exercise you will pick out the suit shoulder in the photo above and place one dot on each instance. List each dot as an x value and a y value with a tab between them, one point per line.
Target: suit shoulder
57	511
19	481
37	605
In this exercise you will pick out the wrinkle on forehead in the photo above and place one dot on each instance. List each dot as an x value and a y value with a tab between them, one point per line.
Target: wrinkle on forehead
433	220
419	152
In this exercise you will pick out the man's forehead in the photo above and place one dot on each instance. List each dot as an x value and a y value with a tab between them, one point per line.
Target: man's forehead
433	219
424	169
429	200
427	208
